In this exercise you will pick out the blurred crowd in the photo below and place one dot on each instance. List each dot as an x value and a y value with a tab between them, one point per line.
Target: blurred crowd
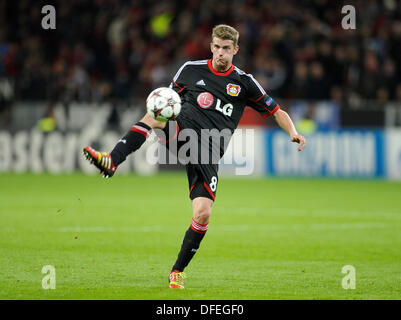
115	50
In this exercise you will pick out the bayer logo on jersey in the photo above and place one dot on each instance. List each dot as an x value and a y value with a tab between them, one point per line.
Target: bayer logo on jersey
205	100
233	89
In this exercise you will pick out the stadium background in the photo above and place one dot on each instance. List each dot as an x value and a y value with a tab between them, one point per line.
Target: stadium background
104	57
85	83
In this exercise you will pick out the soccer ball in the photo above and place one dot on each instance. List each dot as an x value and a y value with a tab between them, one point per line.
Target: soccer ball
163	104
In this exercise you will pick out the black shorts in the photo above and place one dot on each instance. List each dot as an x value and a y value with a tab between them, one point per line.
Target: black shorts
202	178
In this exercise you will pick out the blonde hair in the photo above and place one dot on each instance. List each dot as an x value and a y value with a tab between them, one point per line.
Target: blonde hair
225	32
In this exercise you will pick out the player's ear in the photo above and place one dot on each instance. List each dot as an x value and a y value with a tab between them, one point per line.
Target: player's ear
236	49
211	46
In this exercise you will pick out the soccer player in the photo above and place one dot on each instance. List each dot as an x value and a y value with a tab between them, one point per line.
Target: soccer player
214	94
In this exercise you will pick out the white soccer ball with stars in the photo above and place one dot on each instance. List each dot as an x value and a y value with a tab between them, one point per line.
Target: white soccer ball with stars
163	104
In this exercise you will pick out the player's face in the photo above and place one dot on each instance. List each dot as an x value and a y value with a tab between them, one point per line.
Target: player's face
223	52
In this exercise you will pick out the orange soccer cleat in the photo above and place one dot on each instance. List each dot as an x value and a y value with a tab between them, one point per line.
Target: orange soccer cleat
101	160
176	279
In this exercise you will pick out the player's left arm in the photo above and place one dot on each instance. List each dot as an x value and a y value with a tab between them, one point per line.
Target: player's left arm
284	121
259	100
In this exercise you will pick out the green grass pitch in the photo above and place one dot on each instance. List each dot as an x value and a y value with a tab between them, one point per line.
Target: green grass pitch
267	239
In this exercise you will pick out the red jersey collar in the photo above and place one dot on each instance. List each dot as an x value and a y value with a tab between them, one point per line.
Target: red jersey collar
209	63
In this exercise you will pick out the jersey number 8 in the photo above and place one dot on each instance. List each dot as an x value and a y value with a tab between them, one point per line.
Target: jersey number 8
213	183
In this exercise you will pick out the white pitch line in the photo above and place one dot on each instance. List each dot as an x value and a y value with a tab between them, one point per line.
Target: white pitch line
111	229
300	226
240	227
293	212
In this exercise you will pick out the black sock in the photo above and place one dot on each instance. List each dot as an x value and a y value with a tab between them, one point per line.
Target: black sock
189	246
131	142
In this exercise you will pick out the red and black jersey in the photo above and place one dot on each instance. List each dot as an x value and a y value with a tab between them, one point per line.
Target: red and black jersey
214	99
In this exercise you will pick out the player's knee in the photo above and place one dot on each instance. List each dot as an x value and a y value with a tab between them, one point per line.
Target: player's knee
202	215
202	211
152	122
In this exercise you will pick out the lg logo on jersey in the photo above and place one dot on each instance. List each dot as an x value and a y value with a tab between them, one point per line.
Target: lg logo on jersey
205	101
227	109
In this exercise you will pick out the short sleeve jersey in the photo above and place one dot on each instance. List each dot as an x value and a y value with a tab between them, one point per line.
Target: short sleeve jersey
214	99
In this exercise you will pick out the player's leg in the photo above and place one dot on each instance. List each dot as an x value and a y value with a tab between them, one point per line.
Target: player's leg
202	209
107	163
134	138
202	202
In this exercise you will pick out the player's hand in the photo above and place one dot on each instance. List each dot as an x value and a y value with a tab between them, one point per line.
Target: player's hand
299	139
